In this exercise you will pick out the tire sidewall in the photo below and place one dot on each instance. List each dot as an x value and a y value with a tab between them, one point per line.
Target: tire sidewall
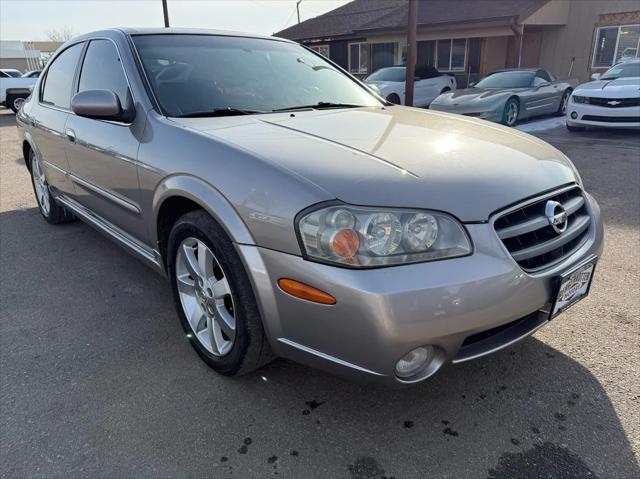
198	225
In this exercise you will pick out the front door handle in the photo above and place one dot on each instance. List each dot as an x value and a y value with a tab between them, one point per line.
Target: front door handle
71	135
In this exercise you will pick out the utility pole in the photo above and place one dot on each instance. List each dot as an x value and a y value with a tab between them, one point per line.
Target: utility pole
165	10
412	53
298	9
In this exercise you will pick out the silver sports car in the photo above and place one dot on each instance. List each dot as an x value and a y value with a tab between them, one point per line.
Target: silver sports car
506	96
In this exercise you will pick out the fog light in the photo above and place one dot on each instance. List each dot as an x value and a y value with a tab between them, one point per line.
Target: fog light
415	361
574	115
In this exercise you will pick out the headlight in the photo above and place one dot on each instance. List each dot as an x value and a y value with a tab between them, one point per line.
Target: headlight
579	99
367	237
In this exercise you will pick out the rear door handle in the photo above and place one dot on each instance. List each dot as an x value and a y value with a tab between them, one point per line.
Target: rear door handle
71	135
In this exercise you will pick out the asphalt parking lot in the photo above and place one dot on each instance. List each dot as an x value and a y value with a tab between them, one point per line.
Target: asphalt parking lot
97	380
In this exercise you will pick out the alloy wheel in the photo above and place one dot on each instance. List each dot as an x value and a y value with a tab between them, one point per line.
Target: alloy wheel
512	113
41	187
205	296
565	102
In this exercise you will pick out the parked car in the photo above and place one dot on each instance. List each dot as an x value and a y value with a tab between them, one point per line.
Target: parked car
14	90
506	96
429	83
32	74
297	215
12	72
611	101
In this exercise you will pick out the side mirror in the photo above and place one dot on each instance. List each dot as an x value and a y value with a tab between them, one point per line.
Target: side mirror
596	76
100	105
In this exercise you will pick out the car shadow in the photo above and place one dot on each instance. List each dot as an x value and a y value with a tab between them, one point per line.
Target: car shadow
94	354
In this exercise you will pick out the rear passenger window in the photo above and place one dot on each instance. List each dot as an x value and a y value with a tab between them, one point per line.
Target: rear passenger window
102	70
59	81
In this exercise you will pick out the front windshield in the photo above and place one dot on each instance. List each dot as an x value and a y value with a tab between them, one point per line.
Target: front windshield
388	74
623	70
516	79
193	74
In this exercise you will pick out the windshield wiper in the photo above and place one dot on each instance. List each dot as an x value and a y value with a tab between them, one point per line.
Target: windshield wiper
319	106
219	112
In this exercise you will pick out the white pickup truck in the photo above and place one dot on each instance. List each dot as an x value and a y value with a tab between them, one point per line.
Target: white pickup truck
14	89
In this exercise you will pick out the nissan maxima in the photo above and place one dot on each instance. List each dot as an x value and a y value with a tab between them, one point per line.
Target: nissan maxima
297	214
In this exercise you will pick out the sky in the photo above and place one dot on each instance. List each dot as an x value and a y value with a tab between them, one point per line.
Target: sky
32	19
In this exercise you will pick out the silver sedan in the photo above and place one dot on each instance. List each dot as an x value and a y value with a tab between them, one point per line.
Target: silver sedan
297	214
506	96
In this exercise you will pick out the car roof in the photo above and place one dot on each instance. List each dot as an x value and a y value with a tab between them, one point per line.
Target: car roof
194	31
517	70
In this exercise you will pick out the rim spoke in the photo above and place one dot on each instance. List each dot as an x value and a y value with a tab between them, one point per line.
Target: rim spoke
196	317
186	285
221	289
213	340
191	261
226	322
205	260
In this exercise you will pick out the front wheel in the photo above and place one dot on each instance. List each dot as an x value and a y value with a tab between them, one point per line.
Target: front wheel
214	297
562	108
511	112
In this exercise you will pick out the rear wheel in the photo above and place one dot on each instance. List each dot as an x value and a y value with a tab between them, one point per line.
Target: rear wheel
511	112
50	210
393	98
14	101
214	297
562	108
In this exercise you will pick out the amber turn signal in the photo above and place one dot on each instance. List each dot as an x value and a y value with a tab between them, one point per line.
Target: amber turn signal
304	291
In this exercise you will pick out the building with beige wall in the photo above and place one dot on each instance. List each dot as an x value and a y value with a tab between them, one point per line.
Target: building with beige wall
470	38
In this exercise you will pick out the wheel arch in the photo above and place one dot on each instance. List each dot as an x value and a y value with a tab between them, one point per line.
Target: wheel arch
180	194
28	145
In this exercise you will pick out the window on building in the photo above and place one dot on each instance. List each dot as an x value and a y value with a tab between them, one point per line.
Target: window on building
359	57
321	49
616	43
451	54
382	55
59	80
101	70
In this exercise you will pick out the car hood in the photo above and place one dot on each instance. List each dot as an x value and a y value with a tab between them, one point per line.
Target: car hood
474	94
621	88
400	157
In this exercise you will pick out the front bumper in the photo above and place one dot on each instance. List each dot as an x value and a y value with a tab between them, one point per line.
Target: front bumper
382	314
494	115
600	116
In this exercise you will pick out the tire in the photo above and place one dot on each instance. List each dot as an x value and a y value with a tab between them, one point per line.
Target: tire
394	98
49	209
231	352
511	112
575	129
564	102
11	101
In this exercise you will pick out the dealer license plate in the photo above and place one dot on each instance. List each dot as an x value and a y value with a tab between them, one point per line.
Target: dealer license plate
574	286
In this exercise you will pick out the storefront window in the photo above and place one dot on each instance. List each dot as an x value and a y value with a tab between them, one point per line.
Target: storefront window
615	44
359	57
451	54
321	49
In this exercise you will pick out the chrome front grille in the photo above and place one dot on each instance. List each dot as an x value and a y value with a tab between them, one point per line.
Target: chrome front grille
613	102
532	241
